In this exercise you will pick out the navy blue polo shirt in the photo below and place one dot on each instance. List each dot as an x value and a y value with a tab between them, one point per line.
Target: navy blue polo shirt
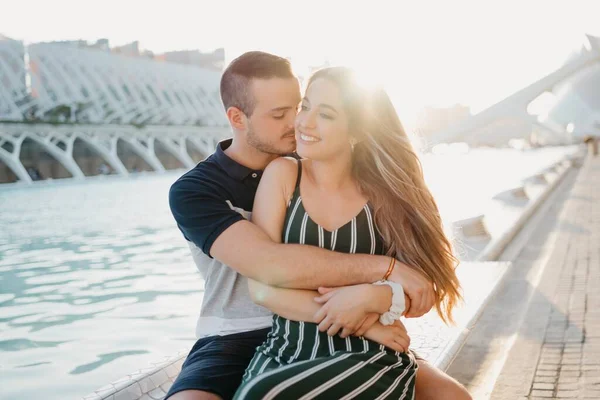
215	194
205	201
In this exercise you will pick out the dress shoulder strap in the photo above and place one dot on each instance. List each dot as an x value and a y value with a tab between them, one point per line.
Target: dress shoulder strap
299	176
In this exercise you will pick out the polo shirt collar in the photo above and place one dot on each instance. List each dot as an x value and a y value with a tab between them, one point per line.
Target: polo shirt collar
230	166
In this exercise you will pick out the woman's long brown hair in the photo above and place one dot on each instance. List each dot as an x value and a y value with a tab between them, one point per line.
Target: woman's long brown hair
390	175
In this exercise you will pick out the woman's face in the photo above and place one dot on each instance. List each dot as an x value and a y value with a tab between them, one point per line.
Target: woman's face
322	125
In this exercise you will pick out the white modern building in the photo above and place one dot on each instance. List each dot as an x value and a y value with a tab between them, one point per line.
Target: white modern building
74	82
73	109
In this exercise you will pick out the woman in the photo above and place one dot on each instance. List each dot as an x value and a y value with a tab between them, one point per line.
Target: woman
359	188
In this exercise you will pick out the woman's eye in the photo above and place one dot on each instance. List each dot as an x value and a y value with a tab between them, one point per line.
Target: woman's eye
326	116
279	116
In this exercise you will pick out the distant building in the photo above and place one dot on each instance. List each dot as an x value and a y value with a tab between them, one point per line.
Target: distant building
130	49
213	60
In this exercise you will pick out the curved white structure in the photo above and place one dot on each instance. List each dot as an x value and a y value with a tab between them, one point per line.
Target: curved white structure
575	86
58	141
68	83
101	97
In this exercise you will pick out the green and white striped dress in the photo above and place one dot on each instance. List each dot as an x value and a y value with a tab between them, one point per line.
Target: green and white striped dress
297	361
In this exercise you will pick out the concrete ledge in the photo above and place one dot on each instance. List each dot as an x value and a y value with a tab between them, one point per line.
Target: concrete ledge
513	194
482	237
472	228
151	383
548	179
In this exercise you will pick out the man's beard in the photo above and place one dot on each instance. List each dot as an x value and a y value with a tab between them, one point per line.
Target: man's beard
266	147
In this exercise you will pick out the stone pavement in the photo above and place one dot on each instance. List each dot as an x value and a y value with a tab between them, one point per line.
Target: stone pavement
565	361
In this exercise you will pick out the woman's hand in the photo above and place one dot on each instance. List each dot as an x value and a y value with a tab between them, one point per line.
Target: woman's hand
393	336
368	322
346	308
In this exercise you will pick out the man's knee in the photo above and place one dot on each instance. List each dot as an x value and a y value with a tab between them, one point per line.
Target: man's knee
195	395
433	384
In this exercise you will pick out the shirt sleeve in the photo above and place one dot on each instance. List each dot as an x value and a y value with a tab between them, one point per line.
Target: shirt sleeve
201	212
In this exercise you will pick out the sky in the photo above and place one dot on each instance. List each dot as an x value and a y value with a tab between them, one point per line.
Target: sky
425	53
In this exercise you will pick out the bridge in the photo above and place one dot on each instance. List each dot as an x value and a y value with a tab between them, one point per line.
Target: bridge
186	144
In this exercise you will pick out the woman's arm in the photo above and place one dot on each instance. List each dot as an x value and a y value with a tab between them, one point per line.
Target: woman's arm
274	192
340	309
298	305
270	204
293	304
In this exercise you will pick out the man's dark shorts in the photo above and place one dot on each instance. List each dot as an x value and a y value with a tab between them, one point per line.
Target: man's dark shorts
216	364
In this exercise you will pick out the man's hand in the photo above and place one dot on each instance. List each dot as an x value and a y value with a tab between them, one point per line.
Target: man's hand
406	305
393	336
418	288
344	308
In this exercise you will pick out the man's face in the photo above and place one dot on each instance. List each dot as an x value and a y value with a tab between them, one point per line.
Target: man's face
271	126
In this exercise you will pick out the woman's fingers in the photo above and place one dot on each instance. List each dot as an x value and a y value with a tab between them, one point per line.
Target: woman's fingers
396	347
324	298
401	345
325	324
399	325
333	329
403	341
363	327
361	332
345	333
319	315
323	289
369	321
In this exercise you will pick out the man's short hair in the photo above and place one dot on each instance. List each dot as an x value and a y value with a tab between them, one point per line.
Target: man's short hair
238	76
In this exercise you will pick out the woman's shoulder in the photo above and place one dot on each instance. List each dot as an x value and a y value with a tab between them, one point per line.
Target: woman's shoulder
282	172
283	167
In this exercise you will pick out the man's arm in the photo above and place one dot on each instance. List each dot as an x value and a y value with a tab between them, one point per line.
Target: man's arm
206	220
247	249
202	214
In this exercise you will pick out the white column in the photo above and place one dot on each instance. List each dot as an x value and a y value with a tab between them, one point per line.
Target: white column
145	151
50	139
177	148
107	147
11	159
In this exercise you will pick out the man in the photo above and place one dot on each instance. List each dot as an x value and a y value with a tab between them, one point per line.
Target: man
212	204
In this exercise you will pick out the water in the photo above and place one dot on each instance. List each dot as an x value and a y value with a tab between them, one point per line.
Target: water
96	281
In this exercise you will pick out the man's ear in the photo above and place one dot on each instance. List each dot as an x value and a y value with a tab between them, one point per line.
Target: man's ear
237	118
